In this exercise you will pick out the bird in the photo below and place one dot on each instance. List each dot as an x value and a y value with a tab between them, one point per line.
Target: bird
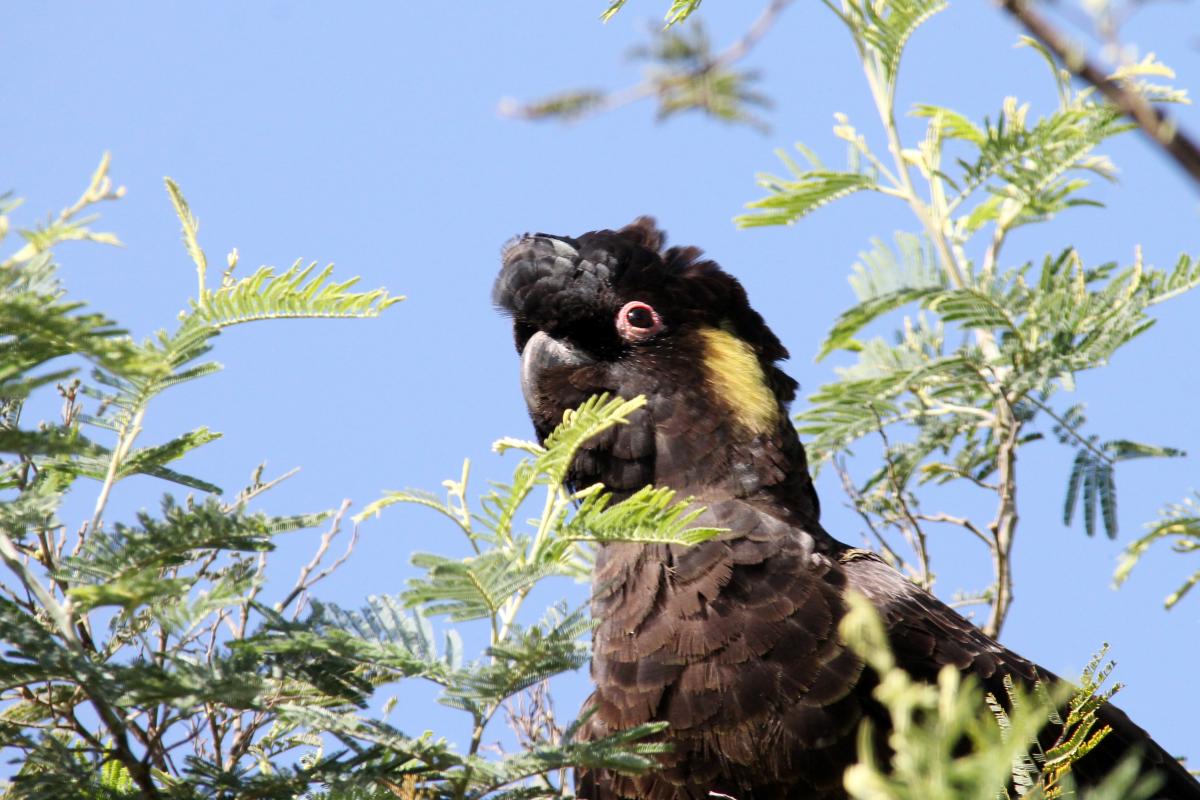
734	641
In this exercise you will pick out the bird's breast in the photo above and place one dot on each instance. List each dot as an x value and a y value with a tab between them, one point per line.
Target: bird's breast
732	642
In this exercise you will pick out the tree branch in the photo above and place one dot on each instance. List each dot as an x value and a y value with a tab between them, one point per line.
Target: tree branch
857	504
1003	528
1161	129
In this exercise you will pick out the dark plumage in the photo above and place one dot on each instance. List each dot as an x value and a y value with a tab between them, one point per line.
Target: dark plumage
733	642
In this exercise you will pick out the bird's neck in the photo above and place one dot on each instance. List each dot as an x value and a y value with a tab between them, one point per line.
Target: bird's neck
731	459
728	433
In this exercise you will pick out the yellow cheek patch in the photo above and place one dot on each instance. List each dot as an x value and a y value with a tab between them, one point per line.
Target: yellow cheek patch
736	375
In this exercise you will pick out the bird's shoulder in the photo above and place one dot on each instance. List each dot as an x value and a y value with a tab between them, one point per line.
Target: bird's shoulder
925	633
771	563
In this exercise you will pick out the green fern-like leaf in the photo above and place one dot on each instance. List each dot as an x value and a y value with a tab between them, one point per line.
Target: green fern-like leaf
680	10
153	460
1092	481
1163	285
613	9
841	335
884	269
128	557
649	515
296	292
191	229
1179	524
596	415
881	30
471	588
788	201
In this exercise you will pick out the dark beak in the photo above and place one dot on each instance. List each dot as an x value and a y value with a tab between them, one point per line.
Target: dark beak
543	352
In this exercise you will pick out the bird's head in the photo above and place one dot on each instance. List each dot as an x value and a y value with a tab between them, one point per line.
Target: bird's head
613	311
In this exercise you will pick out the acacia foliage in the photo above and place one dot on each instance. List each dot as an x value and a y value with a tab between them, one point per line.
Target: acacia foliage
951	740
163	657
982	350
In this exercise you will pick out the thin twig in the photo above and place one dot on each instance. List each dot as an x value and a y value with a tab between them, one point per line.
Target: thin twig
129	433
742	47
856	503
967	602
917	541
250	492
99	189
1004	526
303	583
610	101
1066	426
245	733
962	522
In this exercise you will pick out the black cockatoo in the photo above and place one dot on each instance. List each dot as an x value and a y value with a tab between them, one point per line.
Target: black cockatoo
734	642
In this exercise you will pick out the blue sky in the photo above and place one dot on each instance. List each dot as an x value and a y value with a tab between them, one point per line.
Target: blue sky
366	134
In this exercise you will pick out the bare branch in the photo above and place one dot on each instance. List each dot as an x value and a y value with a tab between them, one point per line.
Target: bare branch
962	522
917	536
257	488
856	503
304	582
1003	528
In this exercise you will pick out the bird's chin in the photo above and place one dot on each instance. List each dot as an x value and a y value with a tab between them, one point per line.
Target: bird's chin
542	354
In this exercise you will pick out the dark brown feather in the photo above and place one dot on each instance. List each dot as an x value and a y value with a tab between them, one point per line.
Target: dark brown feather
733	642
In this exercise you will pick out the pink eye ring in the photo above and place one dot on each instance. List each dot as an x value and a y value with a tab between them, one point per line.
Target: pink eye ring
637	321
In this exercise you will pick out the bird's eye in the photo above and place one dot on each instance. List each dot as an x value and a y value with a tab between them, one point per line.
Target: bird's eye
637	320
640	317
